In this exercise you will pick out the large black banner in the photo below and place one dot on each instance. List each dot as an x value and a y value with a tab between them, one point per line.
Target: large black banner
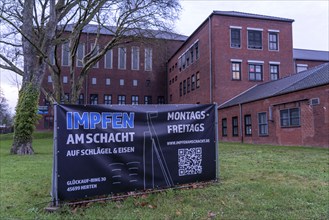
104	149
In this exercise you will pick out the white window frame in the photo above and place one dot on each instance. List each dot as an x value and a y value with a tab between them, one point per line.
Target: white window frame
65	52
122	58
106	64
135	60
148	59
80	54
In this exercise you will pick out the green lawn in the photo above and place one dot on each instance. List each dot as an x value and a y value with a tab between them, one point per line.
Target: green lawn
256	182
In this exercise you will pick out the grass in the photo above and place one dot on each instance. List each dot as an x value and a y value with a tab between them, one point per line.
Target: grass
256	182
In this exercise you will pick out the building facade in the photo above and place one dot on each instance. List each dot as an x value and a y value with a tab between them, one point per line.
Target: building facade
134	72
305	59
291	111
227	54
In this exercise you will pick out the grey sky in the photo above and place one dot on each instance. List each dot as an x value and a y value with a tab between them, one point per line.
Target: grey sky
310	29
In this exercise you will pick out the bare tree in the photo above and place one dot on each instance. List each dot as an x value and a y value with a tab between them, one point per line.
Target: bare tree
31	32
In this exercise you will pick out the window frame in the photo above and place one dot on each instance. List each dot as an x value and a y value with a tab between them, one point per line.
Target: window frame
135	60
247	125
235	126
233	38
262	124
107	99
234	71
255	72
148	52
224	127
93	99
290	118
274	75
108	60
121	99
272	42
122	58
252	41
134	100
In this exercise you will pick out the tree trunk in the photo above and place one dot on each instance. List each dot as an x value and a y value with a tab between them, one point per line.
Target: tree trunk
25	119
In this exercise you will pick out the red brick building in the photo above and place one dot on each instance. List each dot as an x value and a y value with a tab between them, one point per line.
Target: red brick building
229	53
290	111
132	73
305	59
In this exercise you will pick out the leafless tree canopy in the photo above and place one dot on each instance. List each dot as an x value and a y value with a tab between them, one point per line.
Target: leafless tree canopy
47	24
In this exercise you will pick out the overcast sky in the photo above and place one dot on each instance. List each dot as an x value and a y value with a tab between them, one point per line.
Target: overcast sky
310	29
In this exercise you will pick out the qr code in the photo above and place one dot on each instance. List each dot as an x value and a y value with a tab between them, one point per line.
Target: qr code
189	161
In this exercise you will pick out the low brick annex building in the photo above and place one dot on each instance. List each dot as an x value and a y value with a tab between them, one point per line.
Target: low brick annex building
290	111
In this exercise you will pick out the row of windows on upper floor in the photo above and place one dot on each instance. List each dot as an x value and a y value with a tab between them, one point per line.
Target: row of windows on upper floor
107	100
187	58
255	70
254	38
107	81
108	58
288	118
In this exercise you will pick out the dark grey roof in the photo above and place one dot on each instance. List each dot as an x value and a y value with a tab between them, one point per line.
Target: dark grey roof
248	15
313	77
110	30
302	54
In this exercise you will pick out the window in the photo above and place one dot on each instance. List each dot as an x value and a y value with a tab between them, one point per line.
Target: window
255	72
193	82
93	99
121	99
107	99
273	41
80	55
65	79
188	84
274	71
184	87
148	59
52	56
109	59
135	82
301	67
235	38
180	89
122	82
81	99
262	124
236	70
50	79
134	99
197	80
255	39
65	54
65	98
122	58
235	126
247	125
290	117
108	81
93	81
196	46
95	49
161	100
148	83
224	127
147	100
48	122
135	58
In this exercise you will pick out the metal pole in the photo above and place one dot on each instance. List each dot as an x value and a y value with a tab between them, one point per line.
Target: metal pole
217	142
54	182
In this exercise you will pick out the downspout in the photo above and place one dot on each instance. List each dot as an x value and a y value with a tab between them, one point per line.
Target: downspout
241	122
210	63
